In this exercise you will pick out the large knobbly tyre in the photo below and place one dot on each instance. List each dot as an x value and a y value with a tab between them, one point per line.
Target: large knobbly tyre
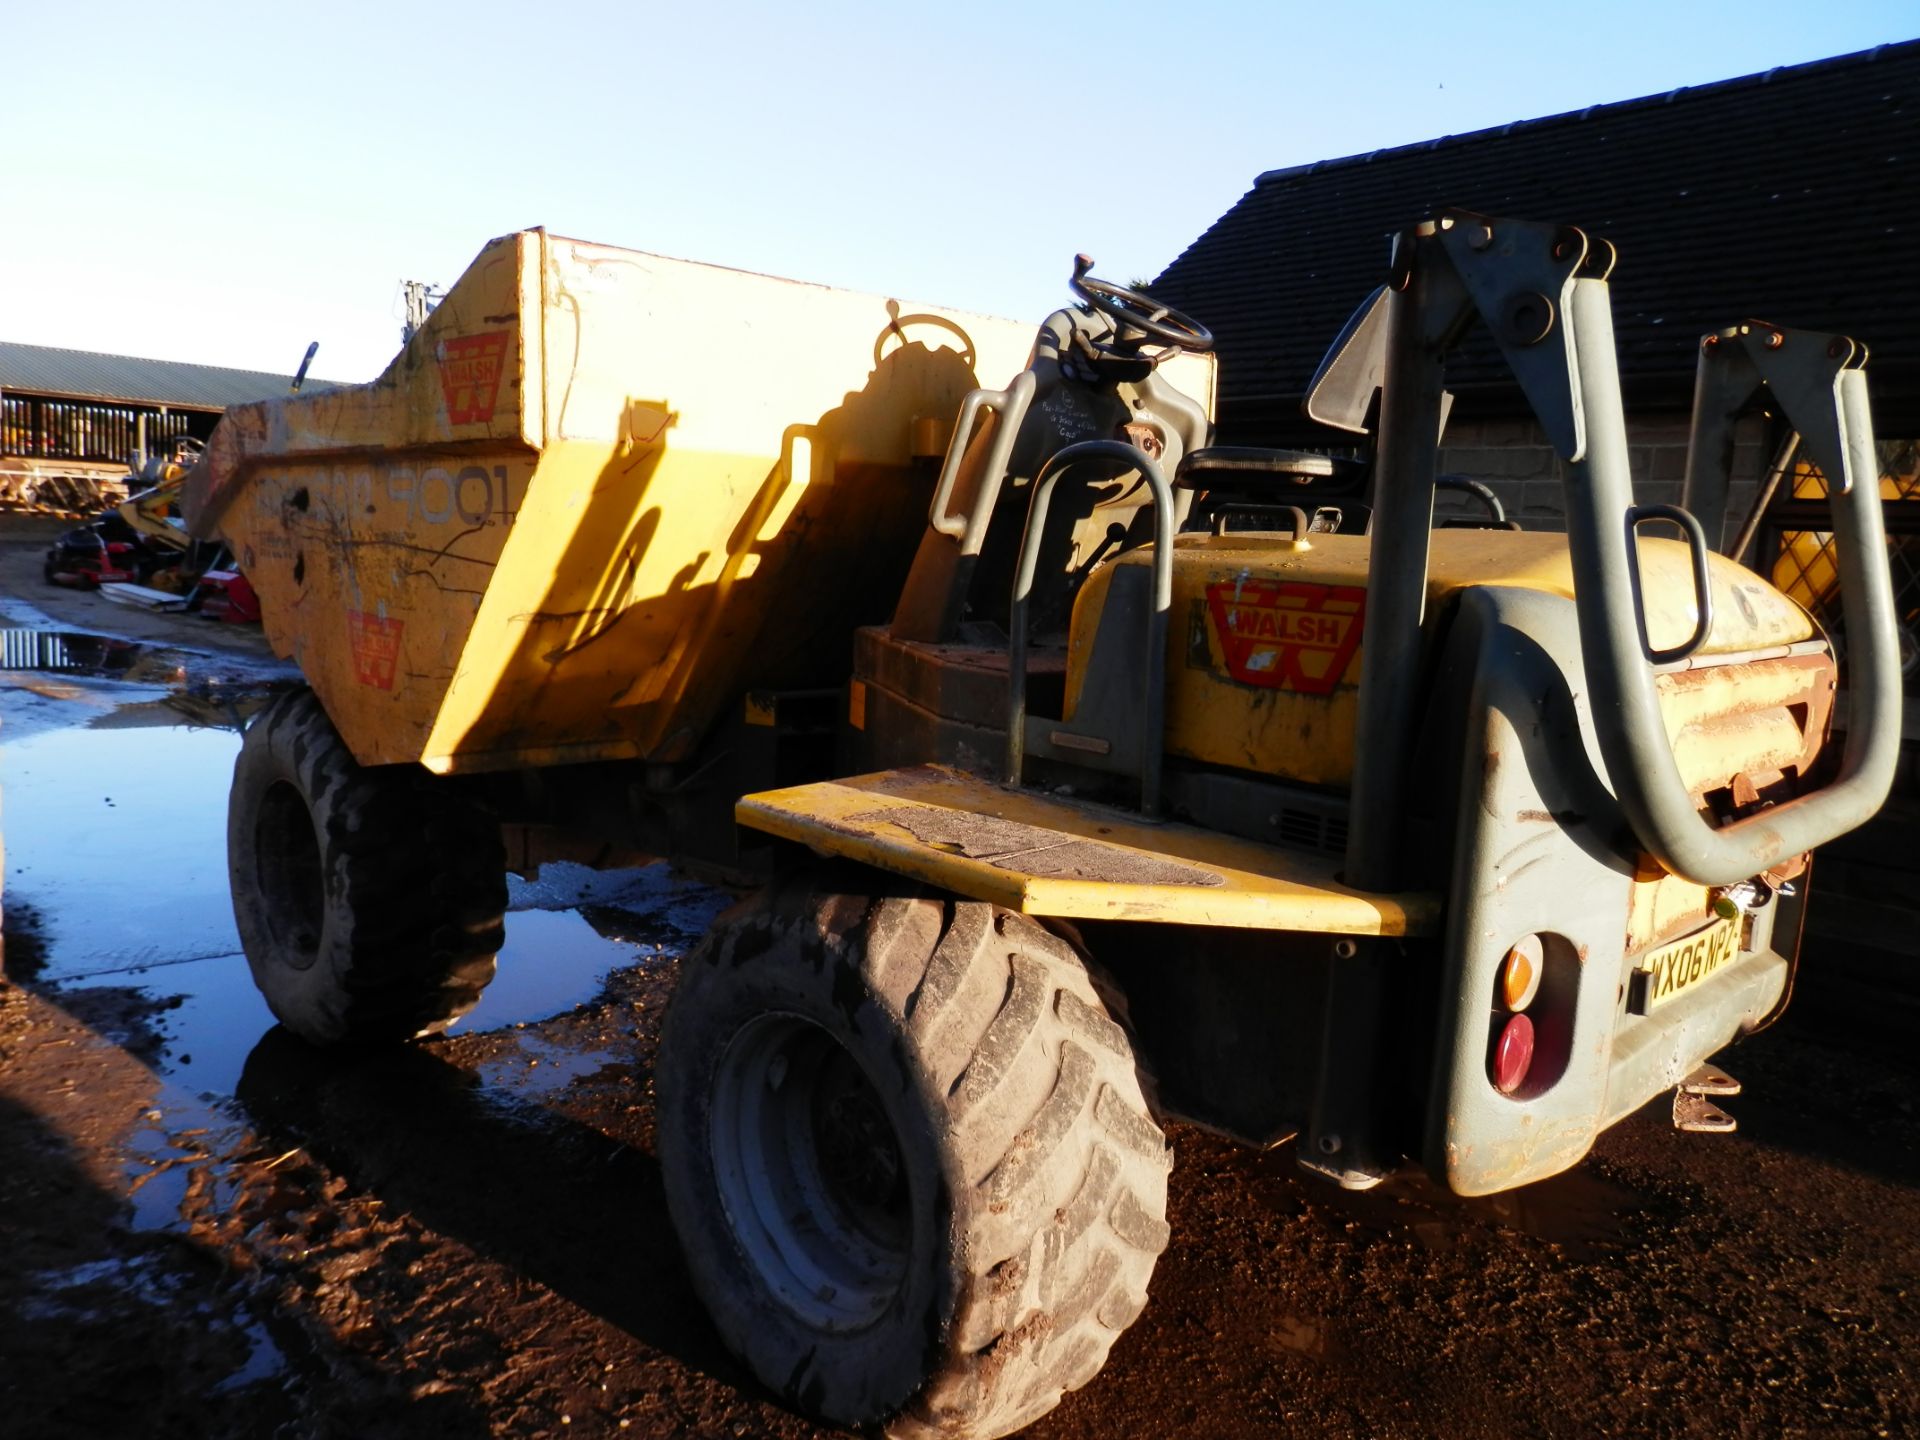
370	901
909	1158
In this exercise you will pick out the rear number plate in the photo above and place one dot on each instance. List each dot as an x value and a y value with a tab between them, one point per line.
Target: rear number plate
1679	966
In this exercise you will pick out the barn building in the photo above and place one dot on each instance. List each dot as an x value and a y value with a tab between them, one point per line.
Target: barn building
72	420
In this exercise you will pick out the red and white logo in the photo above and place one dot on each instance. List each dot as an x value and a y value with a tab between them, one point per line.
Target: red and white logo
1287	635
376	648
470	367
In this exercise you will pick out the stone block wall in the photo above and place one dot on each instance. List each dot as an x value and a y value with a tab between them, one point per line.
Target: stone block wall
1514	458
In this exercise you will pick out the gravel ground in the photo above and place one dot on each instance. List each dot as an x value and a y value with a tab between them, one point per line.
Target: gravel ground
213	1231
469	1238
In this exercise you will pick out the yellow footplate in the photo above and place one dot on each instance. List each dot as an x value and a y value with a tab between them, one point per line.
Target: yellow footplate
1051	855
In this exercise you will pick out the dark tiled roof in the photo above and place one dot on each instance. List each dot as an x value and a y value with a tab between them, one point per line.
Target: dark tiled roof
82	374
1792	196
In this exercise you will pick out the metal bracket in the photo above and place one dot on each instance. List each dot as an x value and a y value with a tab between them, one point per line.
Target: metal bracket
1710	1080
1521	276
1700	1115
1801	370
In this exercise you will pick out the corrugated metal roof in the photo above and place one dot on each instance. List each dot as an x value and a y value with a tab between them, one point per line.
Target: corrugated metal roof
83	374
1792	196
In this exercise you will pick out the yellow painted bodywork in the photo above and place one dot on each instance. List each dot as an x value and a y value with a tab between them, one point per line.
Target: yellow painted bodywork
1047	855
1308	737
597	497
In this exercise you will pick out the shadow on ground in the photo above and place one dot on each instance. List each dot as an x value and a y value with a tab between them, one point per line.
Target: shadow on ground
577	1210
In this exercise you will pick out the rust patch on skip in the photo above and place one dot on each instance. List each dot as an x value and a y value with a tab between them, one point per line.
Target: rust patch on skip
1031	850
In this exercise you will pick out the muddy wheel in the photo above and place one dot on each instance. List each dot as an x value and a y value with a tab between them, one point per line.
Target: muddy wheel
369	900
909	1159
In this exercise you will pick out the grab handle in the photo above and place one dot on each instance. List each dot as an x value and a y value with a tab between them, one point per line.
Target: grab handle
1010	405
1702	579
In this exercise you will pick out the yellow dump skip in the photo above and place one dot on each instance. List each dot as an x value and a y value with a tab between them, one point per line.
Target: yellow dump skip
1045	855
596	498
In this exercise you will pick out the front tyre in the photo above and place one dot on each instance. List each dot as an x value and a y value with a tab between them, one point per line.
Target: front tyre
909	1159
370	901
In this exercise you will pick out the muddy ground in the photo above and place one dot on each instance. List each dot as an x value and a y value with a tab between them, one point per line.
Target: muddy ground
212	1231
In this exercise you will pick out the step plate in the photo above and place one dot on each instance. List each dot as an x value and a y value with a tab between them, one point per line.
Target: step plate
1053	855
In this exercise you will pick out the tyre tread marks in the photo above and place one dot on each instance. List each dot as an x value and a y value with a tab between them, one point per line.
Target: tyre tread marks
1068	1172
425	886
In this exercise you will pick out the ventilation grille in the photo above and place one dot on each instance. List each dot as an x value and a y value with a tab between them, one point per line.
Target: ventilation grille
1307	830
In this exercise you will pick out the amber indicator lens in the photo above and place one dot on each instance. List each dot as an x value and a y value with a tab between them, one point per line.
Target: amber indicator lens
1520	973
1513	1055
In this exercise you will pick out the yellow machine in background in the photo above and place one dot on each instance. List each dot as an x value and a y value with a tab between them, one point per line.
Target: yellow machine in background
152	512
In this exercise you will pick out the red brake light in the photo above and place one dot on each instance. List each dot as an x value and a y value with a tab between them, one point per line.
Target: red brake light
1513	1055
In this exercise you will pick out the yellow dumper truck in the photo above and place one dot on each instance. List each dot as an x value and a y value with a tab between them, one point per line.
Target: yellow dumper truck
1072	749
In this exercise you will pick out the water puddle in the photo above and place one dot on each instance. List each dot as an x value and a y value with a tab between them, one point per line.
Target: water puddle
553	960
117	838
55	679
71	652
110	1301
538	1068
264	1361
117	905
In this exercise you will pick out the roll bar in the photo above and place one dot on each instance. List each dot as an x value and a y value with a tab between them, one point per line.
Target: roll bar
1542	290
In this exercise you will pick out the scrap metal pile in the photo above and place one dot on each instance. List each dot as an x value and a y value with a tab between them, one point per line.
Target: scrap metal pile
136	551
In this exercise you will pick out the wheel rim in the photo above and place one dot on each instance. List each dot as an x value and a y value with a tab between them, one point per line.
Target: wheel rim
287	866
808	1166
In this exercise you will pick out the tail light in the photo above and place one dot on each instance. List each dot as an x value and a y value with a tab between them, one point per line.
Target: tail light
1520	973
1513	1054
1523	1022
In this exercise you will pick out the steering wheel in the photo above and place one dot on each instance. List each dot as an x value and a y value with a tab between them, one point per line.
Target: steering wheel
1139	312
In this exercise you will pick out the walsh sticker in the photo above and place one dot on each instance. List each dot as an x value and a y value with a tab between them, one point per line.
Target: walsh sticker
376	648
470	367
1287	635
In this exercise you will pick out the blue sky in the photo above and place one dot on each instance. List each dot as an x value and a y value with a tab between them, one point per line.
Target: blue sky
224	183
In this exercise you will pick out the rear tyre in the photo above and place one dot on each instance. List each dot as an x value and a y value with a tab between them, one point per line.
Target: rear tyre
370	902
909	1159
